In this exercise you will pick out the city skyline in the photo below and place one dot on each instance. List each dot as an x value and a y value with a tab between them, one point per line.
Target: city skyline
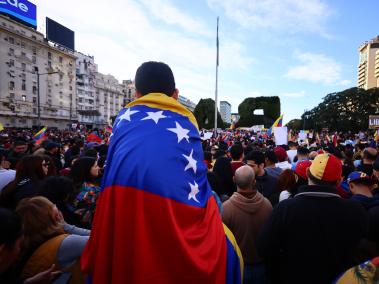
297	51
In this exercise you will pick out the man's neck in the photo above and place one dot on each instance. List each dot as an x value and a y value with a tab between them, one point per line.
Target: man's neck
248	193
261	173
364	191
271	166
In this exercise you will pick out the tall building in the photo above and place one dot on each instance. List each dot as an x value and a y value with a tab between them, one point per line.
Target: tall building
34	73
99	96
368	68
129	91
226	111
187	103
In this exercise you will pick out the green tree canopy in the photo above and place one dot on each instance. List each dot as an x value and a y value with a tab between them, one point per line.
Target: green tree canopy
205	114
344	111
295	124
270	106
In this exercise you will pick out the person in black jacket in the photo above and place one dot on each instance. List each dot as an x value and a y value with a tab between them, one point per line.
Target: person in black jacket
313	237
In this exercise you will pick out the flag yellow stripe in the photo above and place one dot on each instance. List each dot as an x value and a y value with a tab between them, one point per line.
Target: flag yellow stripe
233	241
39	132
161	101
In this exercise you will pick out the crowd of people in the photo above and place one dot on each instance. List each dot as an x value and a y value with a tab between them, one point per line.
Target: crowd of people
306	212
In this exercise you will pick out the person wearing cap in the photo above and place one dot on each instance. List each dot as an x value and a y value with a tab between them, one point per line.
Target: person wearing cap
281	154
313	237
299	179
360	186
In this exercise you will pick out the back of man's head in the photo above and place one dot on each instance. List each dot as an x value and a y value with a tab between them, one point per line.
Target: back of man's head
155	77
257	156
244	178
370	154
271	157
302	151
236	152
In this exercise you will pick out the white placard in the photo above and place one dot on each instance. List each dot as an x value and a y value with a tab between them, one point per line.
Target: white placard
207	135
302	135
280	134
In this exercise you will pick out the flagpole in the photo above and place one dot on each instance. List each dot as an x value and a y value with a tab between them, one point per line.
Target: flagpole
216	89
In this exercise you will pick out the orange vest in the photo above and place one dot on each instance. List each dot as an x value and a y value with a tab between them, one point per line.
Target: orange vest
46	255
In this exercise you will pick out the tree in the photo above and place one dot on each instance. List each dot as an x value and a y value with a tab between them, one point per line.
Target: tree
295	124
205	114
270	106
344	111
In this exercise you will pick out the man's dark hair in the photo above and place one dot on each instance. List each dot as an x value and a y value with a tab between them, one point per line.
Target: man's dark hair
11	227
256	156
302	151
320	182
236	151
270	155
20	142
155	77
292	144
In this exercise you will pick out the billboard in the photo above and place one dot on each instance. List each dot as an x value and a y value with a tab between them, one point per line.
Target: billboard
20	10
59	34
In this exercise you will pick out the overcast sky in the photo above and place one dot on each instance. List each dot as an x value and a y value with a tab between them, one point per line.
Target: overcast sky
295	49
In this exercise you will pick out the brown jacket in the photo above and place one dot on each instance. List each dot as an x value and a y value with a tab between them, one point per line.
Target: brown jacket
245	217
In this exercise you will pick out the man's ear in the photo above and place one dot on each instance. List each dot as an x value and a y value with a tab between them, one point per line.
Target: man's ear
137	94
175	94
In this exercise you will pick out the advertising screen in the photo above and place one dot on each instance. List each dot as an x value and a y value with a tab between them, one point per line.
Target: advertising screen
21	10
60	34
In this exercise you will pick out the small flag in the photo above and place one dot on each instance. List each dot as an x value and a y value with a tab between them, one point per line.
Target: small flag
108	129
278	123
1	127
40	136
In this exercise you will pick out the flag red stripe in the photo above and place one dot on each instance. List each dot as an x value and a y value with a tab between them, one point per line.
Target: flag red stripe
140	237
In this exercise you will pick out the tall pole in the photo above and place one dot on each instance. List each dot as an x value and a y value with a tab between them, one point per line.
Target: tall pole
216	89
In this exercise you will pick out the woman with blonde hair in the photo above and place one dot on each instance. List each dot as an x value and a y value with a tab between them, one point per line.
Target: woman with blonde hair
48	240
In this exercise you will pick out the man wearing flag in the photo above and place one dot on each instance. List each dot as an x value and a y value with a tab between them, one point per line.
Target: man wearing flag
156	219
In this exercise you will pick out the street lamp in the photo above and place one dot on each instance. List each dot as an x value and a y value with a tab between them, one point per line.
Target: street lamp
38	93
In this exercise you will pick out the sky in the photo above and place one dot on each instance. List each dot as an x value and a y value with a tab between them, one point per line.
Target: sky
299	50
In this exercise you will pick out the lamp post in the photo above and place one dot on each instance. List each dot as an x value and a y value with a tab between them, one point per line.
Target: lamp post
38	93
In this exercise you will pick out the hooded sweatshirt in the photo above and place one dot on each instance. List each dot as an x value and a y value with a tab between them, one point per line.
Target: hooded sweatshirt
245	215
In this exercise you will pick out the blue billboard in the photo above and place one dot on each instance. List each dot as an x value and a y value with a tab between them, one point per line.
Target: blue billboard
22	10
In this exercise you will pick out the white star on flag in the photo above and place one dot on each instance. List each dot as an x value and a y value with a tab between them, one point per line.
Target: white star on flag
181	132
156	116
126	115
194	190
191	162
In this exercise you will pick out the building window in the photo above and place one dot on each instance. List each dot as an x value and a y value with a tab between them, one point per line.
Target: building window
60	59
11	40
49	64
60	77
23	98
11	63
34	37
34	100
34	90
11	85
34	59
22	44
23	66
11	52
49	55
34	50
11	95
23	86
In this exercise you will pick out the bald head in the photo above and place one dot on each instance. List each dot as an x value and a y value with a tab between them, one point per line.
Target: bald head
244	178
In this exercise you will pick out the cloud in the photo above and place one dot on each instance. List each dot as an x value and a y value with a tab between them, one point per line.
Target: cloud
290	16
165	11
316	68
122	34
293	94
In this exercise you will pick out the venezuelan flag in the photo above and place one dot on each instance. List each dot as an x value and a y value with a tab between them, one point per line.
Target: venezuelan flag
278	123
40	136
156	219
